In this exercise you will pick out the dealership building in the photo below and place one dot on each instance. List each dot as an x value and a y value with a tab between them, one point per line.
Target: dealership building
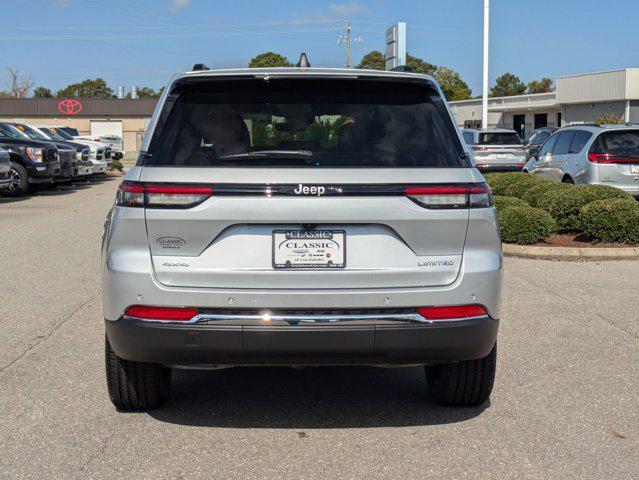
127	118
577	99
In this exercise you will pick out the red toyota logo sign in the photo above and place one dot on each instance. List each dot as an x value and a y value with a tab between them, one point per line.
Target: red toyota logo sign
69	107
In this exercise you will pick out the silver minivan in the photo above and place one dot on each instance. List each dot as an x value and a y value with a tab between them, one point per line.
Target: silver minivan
495	149
590	154
300	216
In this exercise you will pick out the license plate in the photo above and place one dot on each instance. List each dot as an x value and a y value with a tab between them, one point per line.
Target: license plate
634	168
309	249
501	156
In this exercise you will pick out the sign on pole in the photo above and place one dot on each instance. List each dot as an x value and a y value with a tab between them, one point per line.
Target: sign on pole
396	46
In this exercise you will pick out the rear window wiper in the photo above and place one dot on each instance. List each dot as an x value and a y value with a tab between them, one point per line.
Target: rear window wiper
301	154
271	157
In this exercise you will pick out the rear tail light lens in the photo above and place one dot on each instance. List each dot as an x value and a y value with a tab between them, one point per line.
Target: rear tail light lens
477	195
454	312
134	194
610	158
161	313
480	149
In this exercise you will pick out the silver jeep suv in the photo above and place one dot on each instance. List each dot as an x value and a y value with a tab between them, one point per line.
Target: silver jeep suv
300	216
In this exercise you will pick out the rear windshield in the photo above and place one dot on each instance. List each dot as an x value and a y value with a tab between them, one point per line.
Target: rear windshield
620	143
306	123
499	138
70	131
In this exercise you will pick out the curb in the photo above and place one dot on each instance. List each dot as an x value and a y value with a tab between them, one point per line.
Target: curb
570	253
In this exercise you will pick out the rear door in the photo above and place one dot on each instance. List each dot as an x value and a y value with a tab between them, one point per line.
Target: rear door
312	184
615	154
556	166
541	162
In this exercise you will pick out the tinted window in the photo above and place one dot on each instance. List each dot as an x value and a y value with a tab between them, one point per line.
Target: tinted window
621	143
70	131
305	123
542	136
53	135
469	138
30	132
62	133
548	146
499	138
563	143
579	140
7	131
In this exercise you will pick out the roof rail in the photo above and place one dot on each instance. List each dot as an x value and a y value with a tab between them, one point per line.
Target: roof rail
200	66
402	68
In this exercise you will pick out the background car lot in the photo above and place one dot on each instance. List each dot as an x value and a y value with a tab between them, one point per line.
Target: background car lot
566	393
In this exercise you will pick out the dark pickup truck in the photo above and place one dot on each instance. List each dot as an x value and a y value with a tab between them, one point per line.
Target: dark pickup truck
70	154
32	161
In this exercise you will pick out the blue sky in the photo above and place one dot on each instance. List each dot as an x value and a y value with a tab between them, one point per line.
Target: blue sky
141	42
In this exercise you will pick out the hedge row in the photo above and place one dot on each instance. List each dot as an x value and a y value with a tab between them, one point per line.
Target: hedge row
530	208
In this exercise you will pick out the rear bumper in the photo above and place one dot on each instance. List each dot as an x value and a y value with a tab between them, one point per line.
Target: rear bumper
207	345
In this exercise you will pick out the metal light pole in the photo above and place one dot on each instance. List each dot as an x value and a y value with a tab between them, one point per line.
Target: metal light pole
348	44
484	102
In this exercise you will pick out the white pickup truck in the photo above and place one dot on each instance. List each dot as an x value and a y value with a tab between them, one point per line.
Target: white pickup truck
112	141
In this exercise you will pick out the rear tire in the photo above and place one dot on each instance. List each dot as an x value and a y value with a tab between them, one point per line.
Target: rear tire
463	384
135	385
19	181
567	179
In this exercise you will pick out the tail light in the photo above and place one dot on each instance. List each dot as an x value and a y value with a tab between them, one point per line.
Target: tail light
480	149
610	158
161	313
136	194
454	312
474	195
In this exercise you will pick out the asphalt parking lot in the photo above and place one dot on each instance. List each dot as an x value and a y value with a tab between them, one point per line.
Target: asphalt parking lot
565	404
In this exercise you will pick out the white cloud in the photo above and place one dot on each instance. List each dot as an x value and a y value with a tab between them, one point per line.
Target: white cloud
177	4
343	9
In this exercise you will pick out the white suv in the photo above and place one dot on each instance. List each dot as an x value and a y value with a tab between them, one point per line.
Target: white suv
300	216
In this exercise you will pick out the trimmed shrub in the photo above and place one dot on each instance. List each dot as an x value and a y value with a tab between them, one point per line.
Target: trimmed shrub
525	225
611	220
502	202
510	184
535	195
564	205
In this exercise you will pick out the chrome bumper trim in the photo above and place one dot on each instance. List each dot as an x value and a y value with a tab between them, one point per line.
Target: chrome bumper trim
275	319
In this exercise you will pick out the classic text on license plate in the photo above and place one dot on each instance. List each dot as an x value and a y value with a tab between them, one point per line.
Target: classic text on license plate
309	249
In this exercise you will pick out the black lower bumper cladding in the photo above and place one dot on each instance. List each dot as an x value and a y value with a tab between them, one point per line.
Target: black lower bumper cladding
206	344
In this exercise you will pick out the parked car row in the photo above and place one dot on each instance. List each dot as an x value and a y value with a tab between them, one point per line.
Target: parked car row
590	154
43	154
114	141
579	154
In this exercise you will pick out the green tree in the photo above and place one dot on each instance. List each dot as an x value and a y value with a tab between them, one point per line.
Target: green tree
42	92
420	66
544	85
452	85
146	92
508	85
269	59
87	89
373	60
